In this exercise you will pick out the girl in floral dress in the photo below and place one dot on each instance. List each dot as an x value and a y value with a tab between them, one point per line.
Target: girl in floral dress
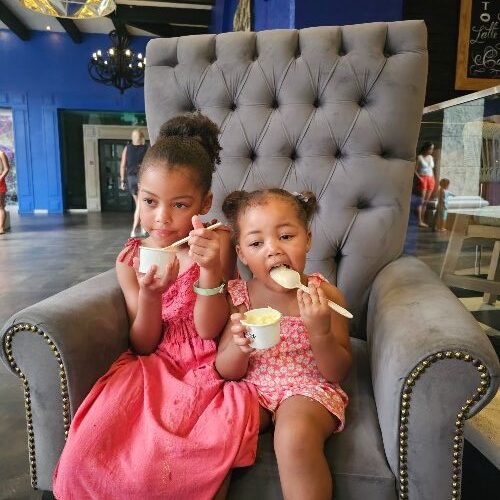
161	423
297	380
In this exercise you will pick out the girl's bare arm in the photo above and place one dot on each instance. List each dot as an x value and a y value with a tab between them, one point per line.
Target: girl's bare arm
143	307
233	353
331	347
211	312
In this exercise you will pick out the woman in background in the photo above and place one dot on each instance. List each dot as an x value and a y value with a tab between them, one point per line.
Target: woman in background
132	156
4	164
424	170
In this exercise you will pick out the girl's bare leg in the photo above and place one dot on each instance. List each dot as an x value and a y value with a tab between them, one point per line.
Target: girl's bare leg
441	225
422	207
301	428
2	213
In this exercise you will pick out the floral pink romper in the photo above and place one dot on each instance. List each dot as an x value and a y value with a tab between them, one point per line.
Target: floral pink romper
289	368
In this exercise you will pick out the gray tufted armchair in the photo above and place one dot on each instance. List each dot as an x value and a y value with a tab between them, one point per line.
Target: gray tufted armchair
335	110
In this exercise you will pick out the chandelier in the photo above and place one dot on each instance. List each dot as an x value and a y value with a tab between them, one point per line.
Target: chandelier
73	9
119	66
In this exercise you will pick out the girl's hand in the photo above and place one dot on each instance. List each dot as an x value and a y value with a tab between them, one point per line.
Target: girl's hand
238	330
151	285
204	246
314	310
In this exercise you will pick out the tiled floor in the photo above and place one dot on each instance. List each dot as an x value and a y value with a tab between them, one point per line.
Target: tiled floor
44	254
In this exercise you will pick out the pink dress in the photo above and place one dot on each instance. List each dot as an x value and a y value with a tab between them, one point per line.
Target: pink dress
289	368
163	426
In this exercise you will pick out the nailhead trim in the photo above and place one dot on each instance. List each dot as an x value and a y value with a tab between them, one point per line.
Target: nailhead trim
461	417
7	347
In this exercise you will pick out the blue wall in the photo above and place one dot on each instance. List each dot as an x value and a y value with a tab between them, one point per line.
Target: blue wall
266	14
340	12
44	74
272	14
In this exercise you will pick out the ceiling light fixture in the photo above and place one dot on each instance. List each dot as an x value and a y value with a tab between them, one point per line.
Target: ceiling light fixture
73	9
118	66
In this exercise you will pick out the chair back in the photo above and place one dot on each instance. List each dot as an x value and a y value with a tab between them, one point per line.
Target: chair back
333	110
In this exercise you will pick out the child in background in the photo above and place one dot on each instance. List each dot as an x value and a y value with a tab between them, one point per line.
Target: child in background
161	423
297	380
442	205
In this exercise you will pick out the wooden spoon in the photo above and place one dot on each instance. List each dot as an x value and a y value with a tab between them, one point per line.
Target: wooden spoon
184	240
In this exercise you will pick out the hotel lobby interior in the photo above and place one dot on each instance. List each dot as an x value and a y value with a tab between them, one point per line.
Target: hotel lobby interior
338	97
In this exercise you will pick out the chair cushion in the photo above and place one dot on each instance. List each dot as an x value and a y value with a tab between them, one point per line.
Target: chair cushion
356	455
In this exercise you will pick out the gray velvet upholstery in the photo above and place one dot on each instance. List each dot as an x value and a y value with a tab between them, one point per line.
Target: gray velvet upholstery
89	325
335	110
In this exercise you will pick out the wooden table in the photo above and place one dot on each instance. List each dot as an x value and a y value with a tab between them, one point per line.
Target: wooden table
481	224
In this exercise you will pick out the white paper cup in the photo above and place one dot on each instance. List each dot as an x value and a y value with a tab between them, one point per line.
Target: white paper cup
149	256
264	324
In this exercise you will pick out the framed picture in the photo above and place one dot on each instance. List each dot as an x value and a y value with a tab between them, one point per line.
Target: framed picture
478	51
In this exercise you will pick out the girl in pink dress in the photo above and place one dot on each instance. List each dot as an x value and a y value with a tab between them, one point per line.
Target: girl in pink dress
161	423
297	380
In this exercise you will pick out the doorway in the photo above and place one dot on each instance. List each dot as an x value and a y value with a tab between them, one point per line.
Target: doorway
113	199
75	146
102	175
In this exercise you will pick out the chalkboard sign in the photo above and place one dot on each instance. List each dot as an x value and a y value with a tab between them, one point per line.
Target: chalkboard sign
478	54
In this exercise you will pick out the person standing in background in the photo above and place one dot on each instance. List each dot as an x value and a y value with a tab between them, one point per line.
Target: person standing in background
4	164
424	170
442	206
132	156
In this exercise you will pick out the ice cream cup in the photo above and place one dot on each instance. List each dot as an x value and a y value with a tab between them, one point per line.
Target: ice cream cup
158	256
264	325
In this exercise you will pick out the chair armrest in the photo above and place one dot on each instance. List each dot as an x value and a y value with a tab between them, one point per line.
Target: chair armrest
432	367
59	348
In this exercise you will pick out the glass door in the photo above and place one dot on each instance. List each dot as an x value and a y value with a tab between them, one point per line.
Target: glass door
112	198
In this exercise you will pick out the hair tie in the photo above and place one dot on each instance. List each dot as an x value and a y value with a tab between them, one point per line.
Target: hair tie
300	196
